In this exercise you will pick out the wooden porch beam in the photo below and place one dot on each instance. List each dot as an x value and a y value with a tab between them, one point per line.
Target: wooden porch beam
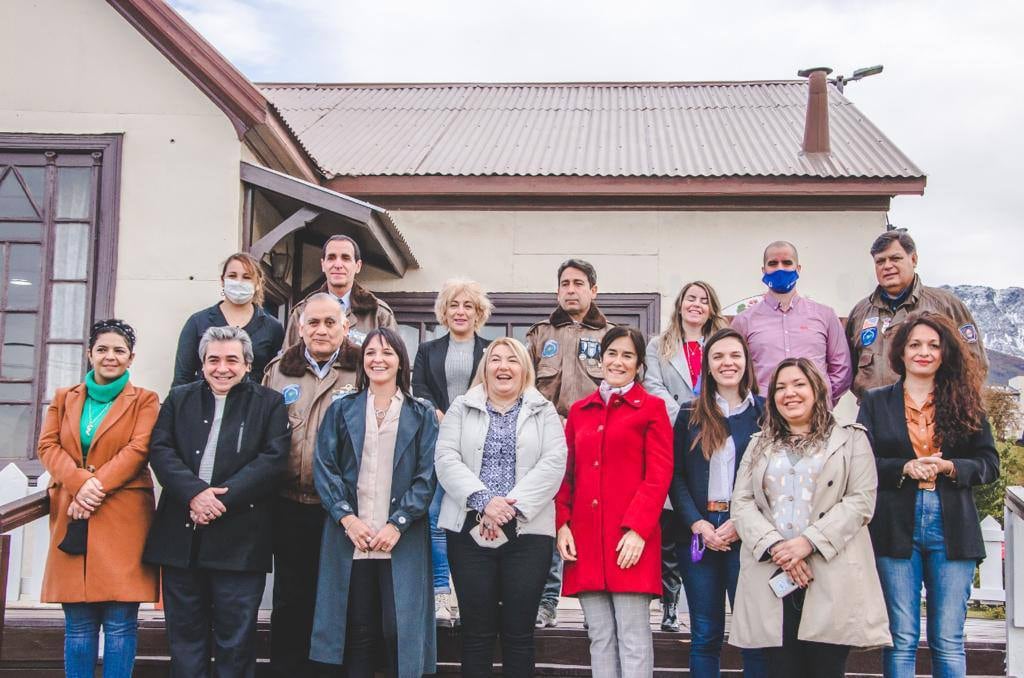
299	219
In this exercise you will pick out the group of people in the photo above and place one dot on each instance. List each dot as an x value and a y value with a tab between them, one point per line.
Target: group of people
588	462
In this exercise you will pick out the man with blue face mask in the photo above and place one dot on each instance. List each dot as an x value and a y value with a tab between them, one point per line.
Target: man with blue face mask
787	325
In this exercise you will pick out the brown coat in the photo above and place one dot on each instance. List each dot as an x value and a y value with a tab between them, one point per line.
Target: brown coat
112	568
872	322
564	374
308	398
365	313
844	603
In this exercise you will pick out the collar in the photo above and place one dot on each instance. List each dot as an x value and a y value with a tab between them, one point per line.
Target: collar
321	372
294	363
512	410
607	390
909	297
358	300
104	393
775	304
723	405
634	398
594	319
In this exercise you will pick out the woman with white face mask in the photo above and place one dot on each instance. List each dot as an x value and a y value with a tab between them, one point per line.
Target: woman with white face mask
242	288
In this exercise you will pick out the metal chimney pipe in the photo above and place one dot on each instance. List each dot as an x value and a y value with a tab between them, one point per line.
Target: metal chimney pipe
816	137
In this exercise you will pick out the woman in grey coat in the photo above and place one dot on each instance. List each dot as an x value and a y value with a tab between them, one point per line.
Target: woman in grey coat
374	471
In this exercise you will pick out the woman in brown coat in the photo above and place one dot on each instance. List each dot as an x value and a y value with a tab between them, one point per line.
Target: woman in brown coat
95	444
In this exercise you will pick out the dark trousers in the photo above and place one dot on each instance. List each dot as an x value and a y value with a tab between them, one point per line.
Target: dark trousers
297	531
499	591
198	601
800	657
371	622
671	536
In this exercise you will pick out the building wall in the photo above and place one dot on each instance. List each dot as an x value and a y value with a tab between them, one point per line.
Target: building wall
638	251
77	67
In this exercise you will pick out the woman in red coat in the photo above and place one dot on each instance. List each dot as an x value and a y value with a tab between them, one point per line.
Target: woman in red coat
609	506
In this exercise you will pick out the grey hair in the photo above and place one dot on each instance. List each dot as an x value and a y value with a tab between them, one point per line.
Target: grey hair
227	333
320	296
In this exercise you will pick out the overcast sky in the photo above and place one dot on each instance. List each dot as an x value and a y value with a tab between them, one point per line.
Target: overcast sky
951	96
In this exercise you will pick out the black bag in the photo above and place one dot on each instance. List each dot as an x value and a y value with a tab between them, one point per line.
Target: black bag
76	538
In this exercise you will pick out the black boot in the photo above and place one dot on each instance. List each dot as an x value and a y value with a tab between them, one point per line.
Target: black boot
669	622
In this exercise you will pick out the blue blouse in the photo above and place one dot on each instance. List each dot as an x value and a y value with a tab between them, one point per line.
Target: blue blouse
498	465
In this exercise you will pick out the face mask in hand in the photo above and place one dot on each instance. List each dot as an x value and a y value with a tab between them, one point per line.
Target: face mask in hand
781	281
239	291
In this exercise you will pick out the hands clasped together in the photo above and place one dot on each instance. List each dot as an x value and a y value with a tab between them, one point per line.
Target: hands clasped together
205	507
716	539
499	511
928	468
791	555
365	539
89	498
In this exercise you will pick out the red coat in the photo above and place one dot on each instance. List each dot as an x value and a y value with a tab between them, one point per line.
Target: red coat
616	479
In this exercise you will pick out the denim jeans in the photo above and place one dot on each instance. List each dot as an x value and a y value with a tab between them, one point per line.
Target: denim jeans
948	584
707	583
439	546
82	621
553	584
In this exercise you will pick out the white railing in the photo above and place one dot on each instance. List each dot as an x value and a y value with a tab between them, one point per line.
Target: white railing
29	545
1014	521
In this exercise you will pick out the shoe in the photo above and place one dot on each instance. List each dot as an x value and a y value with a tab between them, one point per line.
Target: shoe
669	623
443	610
547	616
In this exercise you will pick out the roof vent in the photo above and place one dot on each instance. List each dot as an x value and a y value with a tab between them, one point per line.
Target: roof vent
816	139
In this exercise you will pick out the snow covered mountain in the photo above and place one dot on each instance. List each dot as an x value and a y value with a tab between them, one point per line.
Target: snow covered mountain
999	314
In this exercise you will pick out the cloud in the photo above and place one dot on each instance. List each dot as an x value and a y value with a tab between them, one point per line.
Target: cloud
239	30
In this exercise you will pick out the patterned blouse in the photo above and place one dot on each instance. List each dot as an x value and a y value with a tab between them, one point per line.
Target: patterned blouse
498	465
789	485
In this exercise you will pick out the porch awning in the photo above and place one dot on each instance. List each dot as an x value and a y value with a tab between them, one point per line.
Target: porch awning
323	213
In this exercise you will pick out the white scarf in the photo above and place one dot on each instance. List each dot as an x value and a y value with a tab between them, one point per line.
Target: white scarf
607	390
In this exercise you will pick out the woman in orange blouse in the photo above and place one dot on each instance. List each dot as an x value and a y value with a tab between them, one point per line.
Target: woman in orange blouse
95	444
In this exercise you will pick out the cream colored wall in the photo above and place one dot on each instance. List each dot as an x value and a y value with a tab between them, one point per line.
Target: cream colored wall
77	67
638	251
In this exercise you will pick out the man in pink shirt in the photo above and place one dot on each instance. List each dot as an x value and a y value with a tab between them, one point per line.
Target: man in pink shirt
785	325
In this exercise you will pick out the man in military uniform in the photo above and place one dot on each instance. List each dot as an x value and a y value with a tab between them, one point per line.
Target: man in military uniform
341	261
311	375
566	352
899	293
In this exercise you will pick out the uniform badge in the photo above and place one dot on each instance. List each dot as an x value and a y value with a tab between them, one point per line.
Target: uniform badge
870	322
868	336
885	325
291	393
589	350
356	337
969	332
550	349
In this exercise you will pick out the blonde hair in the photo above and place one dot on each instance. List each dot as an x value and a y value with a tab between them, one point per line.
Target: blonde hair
453	288
252	267
672	338
519	351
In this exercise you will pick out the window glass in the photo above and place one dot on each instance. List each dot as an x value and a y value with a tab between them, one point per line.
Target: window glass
13	201
67	311
24	276
21	230
74	192
19	348
63	367
71	251
16	425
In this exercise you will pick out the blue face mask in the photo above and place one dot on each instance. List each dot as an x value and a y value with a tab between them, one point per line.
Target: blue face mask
781	281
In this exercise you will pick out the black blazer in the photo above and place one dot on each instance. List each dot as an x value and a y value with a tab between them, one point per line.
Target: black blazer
977	463
428	380
252	456
689	488
266	333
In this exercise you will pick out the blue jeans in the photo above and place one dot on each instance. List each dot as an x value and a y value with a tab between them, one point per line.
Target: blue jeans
707	583
82	621
948	583
438	546
553	585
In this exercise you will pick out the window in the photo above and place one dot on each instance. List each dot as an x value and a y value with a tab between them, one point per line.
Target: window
57	215
514	313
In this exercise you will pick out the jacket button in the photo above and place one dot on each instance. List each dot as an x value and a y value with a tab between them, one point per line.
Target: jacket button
676	398
600	427
401	520
593	504
596	463
821	515
393	500
197	451
830	483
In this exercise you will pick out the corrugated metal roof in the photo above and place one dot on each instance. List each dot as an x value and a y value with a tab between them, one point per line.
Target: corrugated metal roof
597	129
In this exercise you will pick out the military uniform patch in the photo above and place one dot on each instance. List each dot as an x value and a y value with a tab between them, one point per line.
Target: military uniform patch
868	336
870	322
969	332
589	350
550	349
291	393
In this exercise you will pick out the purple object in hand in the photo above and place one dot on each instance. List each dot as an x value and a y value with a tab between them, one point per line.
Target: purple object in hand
696	548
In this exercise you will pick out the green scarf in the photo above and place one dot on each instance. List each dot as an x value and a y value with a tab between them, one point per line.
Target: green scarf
98	401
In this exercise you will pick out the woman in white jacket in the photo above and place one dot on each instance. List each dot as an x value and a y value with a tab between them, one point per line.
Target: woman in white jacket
500	458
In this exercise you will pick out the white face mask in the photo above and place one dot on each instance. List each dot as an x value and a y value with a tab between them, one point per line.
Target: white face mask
239	291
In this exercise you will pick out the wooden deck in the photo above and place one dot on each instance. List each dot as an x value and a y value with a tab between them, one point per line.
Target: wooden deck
33	647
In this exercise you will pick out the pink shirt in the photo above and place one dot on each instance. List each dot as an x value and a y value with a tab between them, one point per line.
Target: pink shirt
806	330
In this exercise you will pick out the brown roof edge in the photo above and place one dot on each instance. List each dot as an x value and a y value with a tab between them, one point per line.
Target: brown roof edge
595	83
231	91
621	186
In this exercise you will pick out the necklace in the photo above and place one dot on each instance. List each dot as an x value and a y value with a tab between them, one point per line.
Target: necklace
93	420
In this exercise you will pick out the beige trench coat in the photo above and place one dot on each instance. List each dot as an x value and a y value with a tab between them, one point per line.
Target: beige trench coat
844	603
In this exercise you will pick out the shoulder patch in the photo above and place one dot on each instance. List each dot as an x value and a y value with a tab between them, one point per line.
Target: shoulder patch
868	336
969	332
870	322
291	393
550	348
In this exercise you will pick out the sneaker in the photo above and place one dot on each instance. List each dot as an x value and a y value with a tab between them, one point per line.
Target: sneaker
669	622
547	616
443	610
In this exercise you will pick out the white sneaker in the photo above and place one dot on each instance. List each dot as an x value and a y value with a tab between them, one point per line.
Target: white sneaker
443	610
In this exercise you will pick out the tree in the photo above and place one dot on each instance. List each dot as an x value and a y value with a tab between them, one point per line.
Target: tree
1003	411
989	498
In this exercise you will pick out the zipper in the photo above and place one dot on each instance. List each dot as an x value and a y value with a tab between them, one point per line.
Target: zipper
241	432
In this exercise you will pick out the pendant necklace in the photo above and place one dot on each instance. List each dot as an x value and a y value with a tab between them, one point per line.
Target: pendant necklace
93	420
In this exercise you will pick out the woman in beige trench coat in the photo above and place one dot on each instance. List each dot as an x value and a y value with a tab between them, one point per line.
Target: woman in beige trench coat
801	503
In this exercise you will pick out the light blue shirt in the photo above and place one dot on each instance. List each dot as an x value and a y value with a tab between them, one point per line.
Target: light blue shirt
321	372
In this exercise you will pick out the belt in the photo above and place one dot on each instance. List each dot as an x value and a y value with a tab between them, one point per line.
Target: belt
718	506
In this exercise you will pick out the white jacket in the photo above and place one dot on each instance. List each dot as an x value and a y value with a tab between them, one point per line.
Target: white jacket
540	459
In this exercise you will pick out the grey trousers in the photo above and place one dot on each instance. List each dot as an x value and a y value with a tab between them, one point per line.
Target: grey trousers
621	645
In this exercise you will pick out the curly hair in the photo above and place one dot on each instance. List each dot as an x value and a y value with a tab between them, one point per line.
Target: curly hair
959	409
775	430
